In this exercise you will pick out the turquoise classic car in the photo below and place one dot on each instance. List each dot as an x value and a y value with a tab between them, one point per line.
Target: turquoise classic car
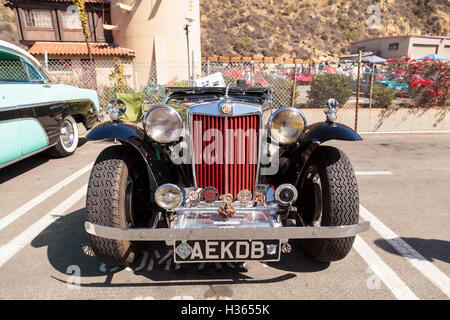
35	113
393	82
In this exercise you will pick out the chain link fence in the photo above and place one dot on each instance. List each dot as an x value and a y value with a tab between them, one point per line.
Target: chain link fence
382	104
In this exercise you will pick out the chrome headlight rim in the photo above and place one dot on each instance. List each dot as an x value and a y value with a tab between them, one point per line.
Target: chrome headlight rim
179	117
272	117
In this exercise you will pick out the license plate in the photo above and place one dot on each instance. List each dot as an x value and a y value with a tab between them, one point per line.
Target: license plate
226	250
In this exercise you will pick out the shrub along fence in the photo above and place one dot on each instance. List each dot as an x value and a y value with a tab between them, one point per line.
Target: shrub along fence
387	100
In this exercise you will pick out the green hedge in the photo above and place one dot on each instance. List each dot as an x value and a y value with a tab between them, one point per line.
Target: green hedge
327	86
382	97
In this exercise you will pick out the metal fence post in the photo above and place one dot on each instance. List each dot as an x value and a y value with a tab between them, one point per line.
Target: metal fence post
294	85
357	91
46	61
374	68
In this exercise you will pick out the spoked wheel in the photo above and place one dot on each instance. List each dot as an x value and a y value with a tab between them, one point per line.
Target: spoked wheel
328	197
111	201
68	138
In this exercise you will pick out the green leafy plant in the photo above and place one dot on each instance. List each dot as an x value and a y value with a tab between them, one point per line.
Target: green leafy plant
282	95
382	97
229	81
117	78
118	84
84	24
327	86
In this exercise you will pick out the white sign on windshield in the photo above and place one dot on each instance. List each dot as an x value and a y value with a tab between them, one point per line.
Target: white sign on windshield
213	80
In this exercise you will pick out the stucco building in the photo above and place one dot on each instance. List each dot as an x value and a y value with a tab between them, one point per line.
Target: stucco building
403	46
148	36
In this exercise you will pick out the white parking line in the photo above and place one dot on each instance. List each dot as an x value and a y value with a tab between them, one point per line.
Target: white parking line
383	271
16	214
430	271
8	250
373	173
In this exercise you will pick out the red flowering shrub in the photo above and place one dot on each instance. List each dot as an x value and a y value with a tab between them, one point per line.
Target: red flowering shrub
428	80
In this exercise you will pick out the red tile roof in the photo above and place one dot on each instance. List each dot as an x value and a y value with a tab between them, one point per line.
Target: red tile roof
74	48
87	1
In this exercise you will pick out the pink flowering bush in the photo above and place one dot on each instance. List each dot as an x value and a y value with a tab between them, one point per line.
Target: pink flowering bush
428	80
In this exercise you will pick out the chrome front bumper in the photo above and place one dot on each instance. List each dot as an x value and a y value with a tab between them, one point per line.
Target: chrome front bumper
226	233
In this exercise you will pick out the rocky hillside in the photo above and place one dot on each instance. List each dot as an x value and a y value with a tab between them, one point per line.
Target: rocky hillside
311	28
8	30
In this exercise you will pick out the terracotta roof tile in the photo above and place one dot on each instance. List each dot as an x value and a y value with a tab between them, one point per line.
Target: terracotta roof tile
74	48
87	1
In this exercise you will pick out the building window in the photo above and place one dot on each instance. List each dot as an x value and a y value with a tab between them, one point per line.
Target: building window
71	19
393	46
59	65
38	18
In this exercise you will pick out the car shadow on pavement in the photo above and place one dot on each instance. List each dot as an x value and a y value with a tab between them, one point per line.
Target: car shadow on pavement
27	164
68	247
22	166
430	249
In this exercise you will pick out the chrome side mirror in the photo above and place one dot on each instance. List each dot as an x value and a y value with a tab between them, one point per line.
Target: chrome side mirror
330	110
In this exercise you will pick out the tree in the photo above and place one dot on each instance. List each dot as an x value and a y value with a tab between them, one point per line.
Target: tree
84	24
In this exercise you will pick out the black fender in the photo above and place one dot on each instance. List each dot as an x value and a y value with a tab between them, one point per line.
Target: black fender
83	111
324	131
127	133
319	133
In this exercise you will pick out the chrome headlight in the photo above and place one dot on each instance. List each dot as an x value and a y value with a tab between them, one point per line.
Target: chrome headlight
163	124
287	125
168	196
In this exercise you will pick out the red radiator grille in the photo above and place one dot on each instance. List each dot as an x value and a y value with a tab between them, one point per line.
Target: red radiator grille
226	152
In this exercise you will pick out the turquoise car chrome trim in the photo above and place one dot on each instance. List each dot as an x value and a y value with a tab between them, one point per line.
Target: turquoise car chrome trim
37	93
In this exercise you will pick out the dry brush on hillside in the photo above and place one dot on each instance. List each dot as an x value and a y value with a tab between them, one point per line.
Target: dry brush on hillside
311	29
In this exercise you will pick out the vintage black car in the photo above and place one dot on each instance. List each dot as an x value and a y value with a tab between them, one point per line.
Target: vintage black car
220	176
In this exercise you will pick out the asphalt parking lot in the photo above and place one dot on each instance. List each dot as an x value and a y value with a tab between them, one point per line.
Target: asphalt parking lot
404	191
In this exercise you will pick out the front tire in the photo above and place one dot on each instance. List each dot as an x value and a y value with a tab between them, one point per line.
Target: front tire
110	203
328	197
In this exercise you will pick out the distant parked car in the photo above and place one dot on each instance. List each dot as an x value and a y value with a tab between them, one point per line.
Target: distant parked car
394	83
35	113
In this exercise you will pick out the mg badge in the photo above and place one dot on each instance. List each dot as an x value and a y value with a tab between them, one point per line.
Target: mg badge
183	250
271	249
226	108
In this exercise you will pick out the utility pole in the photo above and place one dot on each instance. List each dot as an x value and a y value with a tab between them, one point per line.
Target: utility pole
186	27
